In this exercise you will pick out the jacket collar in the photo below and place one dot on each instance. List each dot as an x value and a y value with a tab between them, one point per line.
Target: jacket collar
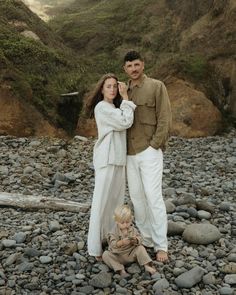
119	232
140	84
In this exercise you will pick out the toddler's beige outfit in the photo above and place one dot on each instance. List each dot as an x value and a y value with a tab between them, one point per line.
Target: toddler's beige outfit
117	257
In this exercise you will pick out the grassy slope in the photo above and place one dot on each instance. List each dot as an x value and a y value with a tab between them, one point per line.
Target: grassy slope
38	71
98	29
101	31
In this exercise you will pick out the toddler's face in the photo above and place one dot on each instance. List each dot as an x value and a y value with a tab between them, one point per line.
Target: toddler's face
124	224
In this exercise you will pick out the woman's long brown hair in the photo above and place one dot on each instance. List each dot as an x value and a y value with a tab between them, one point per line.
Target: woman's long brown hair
95	96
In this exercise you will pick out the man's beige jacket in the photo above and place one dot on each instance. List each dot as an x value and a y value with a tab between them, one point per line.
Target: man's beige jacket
152	117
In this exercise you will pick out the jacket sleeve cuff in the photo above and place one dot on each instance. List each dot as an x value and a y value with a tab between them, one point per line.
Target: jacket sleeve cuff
155	145
129	103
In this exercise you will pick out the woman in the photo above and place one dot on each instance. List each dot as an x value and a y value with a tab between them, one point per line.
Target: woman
113	113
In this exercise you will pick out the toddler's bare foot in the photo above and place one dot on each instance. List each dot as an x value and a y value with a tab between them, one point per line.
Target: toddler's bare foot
98	258
150	269
161	256
124	274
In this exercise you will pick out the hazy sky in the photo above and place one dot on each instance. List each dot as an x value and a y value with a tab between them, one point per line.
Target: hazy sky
37	8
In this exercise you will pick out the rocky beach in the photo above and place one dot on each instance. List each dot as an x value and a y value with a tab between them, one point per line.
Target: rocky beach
43	251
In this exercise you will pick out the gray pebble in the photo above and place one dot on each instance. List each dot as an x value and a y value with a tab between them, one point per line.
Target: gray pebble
196	178
45	259
101	280
19	237
160	285
190	278
204	214
226	291
201	234
230	279
8	243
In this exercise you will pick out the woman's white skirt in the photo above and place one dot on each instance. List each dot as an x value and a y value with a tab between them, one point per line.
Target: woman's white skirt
108	193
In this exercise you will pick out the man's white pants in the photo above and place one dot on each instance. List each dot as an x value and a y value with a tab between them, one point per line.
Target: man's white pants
108	193
144	172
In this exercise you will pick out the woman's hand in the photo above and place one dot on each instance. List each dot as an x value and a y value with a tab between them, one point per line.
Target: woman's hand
123	90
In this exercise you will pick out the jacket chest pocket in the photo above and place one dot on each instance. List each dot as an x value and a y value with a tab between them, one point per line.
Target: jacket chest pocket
146	112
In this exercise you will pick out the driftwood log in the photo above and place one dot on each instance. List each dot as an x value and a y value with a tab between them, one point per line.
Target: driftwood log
29	202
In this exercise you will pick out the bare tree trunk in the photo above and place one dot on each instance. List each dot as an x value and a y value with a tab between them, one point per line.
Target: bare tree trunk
40	202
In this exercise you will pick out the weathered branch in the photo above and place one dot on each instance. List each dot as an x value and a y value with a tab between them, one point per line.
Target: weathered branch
40	202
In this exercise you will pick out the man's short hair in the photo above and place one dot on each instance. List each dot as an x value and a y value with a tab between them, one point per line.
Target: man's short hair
132	55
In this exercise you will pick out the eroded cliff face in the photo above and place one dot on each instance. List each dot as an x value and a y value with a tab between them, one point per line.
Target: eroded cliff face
19	118
190	45
204	31
213	34
205	90
35	69
194	115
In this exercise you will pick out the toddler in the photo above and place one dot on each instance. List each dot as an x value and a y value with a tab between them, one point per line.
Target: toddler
125	244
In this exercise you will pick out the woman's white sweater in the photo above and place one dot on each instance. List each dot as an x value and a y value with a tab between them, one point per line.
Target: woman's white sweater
112	122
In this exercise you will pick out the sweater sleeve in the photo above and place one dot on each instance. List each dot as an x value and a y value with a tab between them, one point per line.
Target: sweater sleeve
138	237
112	241
164	118
118	119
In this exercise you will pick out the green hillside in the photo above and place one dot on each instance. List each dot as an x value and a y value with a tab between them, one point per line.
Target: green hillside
189	39
103	30
38	69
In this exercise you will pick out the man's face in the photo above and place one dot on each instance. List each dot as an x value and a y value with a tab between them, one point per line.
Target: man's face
134	69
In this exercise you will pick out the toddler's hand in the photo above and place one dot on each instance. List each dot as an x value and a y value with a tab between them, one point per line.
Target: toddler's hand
126	242
133	240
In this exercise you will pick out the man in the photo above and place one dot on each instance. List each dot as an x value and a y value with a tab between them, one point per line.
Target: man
146	140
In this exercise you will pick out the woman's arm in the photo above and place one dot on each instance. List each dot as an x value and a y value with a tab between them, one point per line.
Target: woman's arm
118	119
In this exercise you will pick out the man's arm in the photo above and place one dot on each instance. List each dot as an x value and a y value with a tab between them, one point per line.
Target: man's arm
164	118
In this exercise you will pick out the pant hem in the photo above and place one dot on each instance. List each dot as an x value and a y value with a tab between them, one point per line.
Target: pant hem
161	249
119	269
146	262
95	255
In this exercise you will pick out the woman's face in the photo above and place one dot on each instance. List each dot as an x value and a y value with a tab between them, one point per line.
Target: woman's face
110	89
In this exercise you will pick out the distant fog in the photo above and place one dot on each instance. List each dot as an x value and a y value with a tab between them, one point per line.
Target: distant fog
40	7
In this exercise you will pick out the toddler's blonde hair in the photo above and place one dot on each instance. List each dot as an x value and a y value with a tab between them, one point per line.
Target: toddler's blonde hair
123	213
